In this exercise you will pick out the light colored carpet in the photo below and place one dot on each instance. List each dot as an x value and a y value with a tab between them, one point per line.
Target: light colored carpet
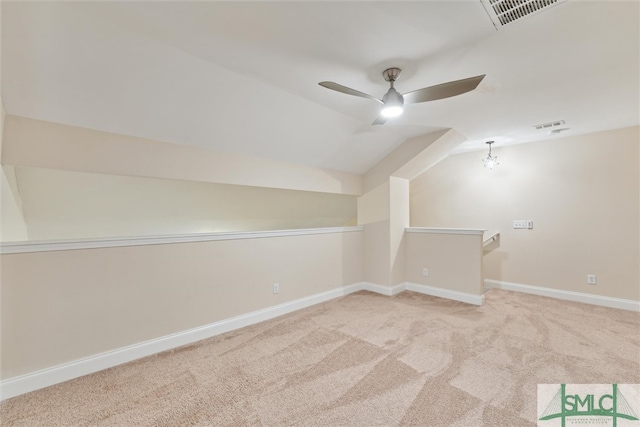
364	359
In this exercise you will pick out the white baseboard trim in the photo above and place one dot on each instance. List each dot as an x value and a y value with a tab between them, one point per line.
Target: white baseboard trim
446	293
624	304
46	377
22	384
384	290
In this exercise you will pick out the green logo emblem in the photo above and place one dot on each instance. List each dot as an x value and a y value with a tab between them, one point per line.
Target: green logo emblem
612	405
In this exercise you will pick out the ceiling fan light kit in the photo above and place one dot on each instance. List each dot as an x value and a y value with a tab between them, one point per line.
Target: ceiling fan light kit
393	102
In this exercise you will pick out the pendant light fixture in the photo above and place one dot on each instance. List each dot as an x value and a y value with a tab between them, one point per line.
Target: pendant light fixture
490	161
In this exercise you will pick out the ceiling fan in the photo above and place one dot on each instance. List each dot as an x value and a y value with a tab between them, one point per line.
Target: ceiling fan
393	102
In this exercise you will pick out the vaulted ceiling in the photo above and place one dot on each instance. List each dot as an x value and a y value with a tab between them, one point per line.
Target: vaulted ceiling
243	77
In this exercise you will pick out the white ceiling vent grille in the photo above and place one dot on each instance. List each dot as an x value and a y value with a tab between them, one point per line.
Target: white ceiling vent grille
503	12
549	125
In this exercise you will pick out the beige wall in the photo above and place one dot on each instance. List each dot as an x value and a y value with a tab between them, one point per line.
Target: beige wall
398	222
413	157
12	224
82	183
374	205
2	116
66	205
373	214
399	157
384	207
437	150
37	143
2	110
581	192
454	261
377	253
62	306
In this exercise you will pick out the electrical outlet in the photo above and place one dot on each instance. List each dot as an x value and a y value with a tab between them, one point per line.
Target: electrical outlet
530	224
425	271
591	279
276	288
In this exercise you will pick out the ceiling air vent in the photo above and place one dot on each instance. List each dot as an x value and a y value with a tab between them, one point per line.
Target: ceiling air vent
548	125
503	12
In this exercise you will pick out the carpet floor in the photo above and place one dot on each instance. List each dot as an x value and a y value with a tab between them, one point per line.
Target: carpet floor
361	360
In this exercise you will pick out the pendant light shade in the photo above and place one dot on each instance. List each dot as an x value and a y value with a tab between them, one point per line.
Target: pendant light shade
490	161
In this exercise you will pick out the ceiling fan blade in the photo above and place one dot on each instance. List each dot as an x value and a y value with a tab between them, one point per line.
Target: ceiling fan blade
347	90
444	90
379	121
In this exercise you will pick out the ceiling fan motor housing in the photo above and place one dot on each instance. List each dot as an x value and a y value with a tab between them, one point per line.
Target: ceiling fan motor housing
392	97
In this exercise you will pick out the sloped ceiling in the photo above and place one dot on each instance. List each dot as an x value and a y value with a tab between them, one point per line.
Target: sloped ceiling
243	76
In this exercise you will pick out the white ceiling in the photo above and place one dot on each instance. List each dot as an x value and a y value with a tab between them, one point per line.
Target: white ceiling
243	76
